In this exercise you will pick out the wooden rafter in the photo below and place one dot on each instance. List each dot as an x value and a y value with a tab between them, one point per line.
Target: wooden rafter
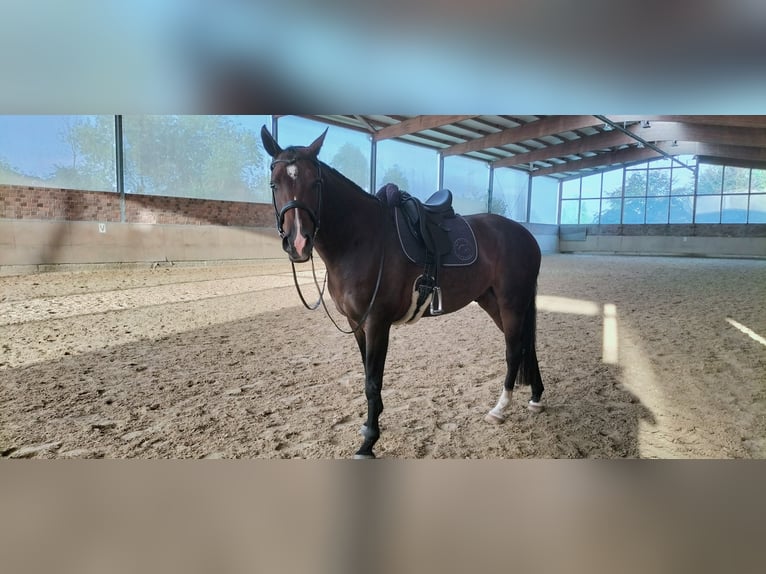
732	121
417	124
546	126
574	147
629	155
752	154
335	122
364	122
726	135
659	131
756	156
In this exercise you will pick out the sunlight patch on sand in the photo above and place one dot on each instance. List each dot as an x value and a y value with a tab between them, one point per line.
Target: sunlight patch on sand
747	331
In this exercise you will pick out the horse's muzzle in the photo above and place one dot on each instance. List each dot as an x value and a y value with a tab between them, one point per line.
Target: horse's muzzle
298	248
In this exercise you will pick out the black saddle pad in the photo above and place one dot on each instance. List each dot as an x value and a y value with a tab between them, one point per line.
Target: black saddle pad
464	251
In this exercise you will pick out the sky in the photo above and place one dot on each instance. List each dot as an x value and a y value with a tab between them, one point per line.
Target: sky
32	144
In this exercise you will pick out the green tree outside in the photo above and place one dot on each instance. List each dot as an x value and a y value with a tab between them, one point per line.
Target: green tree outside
92	163
351	162
658	207
194	156
395	175
207	157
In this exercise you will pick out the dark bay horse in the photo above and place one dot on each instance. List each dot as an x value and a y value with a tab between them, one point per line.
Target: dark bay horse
371	280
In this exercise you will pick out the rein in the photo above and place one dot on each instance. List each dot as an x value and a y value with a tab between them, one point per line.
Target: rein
372	300
319	301
296	204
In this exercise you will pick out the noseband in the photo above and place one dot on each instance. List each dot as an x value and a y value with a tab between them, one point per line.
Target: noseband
297	204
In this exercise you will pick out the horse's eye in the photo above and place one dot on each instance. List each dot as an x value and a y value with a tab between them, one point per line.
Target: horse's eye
273	186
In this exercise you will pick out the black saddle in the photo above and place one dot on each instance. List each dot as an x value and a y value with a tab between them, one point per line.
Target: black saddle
425	222
431	234
440	202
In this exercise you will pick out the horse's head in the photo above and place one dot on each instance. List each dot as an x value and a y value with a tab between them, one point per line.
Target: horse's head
296	187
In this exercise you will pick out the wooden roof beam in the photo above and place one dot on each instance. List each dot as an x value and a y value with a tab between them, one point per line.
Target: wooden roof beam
574	147
622	156
364	122
335	122
753	154
729	135
659	131
722	135
544	127
417	124
732	121
757	156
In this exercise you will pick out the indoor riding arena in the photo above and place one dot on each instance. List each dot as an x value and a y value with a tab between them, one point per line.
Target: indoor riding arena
148	310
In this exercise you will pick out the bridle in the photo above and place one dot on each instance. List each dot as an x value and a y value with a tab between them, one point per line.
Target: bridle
315	219
295	203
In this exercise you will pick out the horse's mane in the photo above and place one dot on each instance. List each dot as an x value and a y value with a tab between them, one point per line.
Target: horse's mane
327	169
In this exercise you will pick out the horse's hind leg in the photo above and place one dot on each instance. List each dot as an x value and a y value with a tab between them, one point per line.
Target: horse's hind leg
513	357
530	369
518	326
535	403
509	323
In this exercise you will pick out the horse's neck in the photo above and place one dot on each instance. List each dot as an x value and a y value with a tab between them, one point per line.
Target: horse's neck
347	219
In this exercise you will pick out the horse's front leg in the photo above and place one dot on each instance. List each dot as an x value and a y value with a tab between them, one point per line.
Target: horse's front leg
373	343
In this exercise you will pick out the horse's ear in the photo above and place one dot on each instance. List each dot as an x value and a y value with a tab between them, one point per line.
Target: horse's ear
317	144
271	145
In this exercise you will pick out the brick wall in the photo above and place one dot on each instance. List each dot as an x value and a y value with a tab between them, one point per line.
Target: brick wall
39	203
186	211
24	202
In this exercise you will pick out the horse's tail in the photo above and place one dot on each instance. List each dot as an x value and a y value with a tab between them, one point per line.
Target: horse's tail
529	372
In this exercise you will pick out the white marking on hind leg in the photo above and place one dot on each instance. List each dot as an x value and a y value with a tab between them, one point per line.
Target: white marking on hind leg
535	407
497	414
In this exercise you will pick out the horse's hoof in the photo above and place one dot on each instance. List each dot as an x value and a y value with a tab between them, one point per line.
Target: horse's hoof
494	418
535	407
358	456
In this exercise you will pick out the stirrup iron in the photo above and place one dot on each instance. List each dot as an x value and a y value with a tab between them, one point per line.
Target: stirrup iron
436	301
